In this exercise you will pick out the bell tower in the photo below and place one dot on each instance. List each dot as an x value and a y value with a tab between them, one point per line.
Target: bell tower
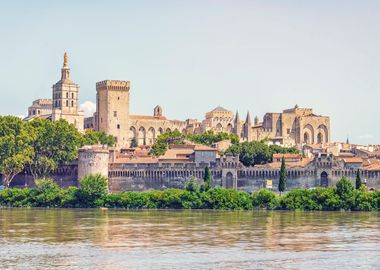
65	98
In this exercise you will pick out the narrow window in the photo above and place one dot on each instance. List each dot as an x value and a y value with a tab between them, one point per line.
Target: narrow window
115	114
72	95
72	103
67	95
67	103
118	126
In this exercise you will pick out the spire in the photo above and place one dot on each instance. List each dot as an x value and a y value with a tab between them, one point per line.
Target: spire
256	120
237	119
65	60
248	119
65	71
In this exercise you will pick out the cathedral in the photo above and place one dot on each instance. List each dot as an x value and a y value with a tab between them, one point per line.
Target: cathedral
291	127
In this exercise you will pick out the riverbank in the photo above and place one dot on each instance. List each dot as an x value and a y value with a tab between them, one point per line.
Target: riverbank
93	193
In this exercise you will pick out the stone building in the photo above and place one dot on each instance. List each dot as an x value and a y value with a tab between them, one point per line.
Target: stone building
292	127
40	108
64	102
65	99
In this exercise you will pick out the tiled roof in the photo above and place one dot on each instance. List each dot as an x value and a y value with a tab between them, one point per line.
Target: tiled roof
277	156
352	160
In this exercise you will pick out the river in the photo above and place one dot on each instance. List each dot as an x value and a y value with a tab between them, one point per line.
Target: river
121	239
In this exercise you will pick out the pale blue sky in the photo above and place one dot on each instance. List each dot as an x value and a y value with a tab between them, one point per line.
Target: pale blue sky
191	56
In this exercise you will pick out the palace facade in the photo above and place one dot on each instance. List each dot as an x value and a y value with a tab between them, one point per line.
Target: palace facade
292	127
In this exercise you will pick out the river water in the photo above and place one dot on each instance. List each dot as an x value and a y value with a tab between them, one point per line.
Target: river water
120	239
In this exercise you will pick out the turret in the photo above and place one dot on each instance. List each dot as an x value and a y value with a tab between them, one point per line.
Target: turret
237	127
247	127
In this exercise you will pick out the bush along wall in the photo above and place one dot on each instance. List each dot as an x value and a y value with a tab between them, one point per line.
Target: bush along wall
93	192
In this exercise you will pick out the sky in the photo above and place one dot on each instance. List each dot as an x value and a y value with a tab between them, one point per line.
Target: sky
191	56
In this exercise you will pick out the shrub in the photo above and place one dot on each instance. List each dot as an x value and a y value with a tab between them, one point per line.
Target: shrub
265	199
48	193
17	197
92	190
345	190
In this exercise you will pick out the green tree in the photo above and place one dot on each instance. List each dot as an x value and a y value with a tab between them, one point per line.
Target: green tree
161	143
92	190
283	177
15	149
207	180
133	143
91	137
358	181
55	143
344	188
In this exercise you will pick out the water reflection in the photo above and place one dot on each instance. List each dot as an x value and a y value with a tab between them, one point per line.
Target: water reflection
93	239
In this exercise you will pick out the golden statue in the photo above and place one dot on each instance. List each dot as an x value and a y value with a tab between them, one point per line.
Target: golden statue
65	59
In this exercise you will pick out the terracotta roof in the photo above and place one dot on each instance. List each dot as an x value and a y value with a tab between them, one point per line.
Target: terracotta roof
371	161
140	160
274	165
147	117
352	160
277	156
374	167
200	147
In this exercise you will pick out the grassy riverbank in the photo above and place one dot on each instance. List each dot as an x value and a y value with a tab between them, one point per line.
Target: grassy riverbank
93	193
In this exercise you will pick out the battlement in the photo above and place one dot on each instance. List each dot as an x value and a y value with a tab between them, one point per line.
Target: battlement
113	85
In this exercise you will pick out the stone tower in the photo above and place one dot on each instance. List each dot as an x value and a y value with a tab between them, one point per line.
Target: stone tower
237	127
248	127
112	107
157	112
65	99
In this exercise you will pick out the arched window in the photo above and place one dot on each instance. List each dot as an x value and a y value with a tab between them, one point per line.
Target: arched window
72	103
67	103
72	95
67	95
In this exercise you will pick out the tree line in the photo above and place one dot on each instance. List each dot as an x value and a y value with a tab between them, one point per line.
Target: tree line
93	192
40	145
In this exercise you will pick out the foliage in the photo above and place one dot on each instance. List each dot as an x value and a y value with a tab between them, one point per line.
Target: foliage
93	193
191	185
133	143
15	150
265	199
258	152
47	193
56	142
209	137
207	180
283	177
358	180
92	190
91	137
161	143
175	137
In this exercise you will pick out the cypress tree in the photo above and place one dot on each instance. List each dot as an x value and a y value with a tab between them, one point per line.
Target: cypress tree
283	177
207	179
358	182
133	143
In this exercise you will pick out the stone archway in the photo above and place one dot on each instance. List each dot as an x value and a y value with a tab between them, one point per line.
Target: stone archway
229	180
324	179
219	127
320	138
150	136
132	135
141	136
323	134
308	134
229	128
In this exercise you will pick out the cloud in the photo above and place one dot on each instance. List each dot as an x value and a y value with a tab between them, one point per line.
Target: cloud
365	136
88	108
